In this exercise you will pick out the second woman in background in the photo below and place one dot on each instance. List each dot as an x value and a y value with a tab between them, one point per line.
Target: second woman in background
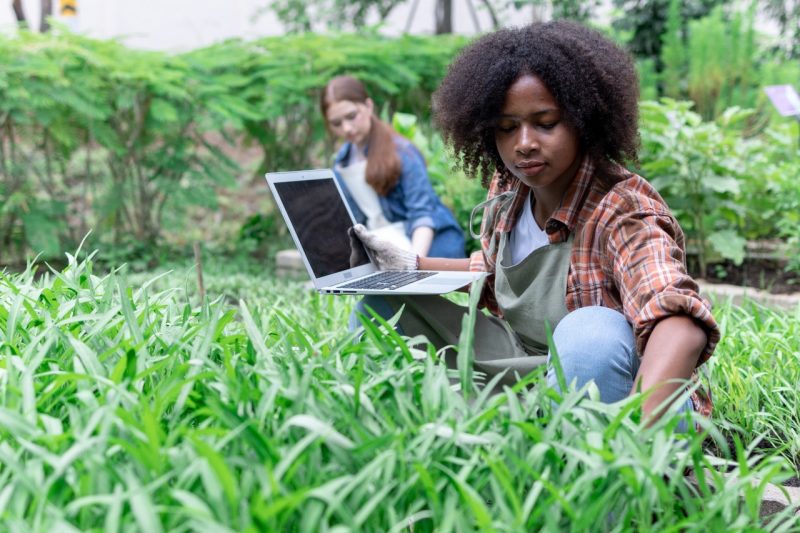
384	177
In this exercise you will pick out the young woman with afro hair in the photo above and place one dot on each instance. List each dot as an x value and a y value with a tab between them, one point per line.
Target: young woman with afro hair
546	116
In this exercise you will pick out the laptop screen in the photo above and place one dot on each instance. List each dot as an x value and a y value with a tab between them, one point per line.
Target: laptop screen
320	220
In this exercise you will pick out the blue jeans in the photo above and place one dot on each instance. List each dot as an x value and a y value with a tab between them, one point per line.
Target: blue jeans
596	343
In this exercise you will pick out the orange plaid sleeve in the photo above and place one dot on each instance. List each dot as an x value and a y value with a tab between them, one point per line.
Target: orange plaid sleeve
645	246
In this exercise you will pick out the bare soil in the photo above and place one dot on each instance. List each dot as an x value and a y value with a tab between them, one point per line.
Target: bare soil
761	273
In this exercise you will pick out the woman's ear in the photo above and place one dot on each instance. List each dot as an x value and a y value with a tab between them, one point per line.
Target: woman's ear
370	105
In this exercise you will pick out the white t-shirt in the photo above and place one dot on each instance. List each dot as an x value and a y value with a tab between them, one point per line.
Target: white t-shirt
364	195
526	236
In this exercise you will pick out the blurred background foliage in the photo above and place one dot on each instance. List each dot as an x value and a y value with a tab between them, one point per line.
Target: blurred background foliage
151	151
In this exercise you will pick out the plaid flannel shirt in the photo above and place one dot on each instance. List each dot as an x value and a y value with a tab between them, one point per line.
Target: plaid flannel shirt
628	254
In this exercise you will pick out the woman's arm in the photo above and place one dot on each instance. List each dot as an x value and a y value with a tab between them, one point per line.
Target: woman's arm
671	353
421	240
673	325
443	263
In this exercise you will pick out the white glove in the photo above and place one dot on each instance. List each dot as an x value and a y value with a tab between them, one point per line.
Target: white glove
387	256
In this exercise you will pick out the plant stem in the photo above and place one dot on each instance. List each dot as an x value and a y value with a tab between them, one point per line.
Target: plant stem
198	259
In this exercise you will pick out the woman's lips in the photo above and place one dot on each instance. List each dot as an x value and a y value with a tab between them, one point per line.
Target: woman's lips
530	168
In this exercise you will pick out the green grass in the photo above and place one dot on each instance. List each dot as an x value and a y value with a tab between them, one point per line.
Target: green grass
756	376
127	404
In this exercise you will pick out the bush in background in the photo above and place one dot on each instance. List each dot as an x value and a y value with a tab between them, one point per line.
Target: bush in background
96	135
128	143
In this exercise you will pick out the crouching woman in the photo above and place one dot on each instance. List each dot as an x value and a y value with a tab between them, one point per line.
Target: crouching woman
546	115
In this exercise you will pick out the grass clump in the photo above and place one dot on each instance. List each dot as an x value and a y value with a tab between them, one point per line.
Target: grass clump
128	407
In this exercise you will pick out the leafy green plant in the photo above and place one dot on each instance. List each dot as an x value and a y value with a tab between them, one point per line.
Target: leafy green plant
696	166
114	138
673	53
757	340
775	190
721	61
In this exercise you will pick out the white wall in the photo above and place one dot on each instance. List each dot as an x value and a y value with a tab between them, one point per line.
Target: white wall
177	25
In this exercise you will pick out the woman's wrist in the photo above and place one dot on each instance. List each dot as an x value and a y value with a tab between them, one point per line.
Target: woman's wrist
443	263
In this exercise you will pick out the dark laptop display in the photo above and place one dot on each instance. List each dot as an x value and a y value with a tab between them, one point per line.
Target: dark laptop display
315	210
321	222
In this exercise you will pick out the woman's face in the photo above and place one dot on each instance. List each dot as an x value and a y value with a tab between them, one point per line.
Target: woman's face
350	121
533	139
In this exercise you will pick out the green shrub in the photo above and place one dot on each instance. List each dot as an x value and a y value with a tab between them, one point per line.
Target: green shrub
112	138
97	136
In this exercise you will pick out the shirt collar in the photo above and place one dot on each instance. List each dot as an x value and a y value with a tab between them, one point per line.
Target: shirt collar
567	213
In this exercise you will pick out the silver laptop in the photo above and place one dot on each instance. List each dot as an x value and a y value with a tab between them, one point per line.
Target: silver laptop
318	217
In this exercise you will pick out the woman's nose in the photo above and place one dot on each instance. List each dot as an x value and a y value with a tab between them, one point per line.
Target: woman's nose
527	141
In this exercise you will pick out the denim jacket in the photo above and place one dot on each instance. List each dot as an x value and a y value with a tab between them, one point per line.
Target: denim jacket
412	200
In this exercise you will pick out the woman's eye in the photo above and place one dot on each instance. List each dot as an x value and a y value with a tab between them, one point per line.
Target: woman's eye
351	116
505	127
549	125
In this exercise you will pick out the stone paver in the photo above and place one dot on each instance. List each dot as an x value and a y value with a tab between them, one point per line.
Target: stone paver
737	294
776	498
289	264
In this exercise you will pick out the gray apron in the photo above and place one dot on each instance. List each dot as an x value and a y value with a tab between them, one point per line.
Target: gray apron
530	293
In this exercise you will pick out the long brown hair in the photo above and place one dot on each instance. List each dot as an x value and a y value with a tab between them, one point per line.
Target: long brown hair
383	163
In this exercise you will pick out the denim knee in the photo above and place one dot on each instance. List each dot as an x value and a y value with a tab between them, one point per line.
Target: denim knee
596	343
378	303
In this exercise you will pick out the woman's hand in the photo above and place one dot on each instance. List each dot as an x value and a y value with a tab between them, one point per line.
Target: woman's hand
385	255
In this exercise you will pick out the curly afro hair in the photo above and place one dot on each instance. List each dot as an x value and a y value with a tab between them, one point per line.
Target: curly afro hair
592	78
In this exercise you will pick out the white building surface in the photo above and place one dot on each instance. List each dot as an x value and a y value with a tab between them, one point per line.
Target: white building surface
178	25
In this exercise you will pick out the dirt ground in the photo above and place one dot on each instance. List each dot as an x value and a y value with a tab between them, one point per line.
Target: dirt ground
761	273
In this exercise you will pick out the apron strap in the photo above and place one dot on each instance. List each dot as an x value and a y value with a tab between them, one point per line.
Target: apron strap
504	199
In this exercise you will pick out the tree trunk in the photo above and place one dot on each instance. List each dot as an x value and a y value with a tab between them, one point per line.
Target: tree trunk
47	12
19	13
444	16
492	14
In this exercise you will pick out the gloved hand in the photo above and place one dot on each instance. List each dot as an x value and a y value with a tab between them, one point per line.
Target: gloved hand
386	255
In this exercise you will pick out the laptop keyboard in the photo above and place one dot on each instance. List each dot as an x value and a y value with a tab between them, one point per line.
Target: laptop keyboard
388	279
